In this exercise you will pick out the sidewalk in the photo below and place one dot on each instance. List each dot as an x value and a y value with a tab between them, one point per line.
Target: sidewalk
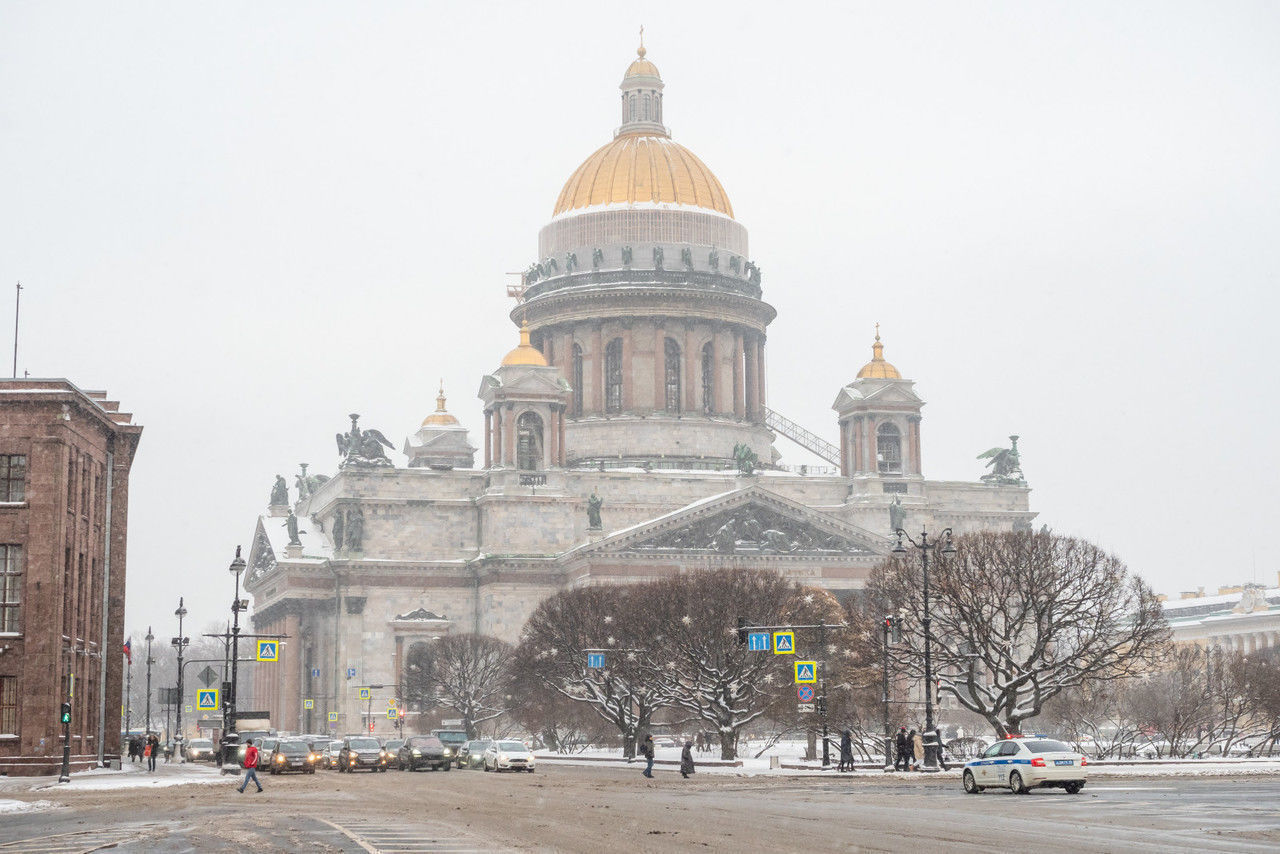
130	776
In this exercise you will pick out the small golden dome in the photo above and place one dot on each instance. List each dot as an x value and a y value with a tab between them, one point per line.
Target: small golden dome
878	368
641	68
640	168
440	418
526	353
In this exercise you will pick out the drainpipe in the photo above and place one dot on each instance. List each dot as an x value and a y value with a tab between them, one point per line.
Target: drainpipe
337	615
104	647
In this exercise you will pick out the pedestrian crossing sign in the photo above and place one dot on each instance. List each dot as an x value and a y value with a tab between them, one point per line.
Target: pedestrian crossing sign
806	672
364	693
207	699
308	704
784	643
391	714
333	717
268	650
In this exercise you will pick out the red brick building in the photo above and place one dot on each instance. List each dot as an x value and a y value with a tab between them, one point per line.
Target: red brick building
65	456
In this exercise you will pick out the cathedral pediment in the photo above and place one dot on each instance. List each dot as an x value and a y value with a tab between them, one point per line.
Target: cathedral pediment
419	615
751	521
262	557
893	392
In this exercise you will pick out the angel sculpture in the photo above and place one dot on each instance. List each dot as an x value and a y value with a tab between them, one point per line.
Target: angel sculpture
363	447
1005	464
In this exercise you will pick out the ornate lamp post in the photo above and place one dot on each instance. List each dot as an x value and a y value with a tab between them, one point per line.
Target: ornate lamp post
229	705
930	754
180	643
146	727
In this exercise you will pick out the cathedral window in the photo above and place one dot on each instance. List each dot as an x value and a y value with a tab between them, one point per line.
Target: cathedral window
633	108
613	376
576	403
708	378
671	381
529	442
646	108
889	449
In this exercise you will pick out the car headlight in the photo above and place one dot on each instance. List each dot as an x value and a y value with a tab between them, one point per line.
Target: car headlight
417	753
447	751
279	758
502	757
383	753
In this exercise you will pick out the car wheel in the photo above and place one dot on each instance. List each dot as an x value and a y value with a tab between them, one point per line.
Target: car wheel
1074	788
448	767
1016	785
383	769
530	770
971	785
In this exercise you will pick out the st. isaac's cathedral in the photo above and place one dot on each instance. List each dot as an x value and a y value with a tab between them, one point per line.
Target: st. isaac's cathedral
627	436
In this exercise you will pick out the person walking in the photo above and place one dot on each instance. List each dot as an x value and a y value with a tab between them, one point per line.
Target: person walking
901	762
917	749
935	744
250	767
153	747
646	750
686	760
846	751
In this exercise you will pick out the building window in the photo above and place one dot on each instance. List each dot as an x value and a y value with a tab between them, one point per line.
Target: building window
889	449
671	381
8	705
13	477
708	378
613	376
529	442
646	107
577	381
10	590
71	482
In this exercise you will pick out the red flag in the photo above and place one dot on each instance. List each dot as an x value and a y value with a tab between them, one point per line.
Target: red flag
128	650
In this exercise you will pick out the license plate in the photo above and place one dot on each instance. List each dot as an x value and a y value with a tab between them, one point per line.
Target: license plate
1064	762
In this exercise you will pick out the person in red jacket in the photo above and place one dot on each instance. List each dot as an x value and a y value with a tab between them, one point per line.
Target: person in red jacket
250	767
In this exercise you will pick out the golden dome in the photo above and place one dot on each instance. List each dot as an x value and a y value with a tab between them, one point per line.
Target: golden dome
641	68
642	168
440	418
526	353
878	368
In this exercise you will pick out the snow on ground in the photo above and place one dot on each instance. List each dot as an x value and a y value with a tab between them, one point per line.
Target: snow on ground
130	777
10	806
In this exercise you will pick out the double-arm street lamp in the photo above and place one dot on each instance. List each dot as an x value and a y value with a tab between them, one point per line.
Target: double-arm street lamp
930	753
229	703
180	643
146	727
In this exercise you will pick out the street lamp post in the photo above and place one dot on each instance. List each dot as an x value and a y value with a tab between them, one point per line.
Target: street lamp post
146	727
180	642
229	705
930	754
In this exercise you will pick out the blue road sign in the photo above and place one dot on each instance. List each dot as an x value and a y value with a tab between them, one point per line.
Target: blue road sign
784	643
351	673
206	699
806	672
308	704
315	673
364	693
268	650
758	641
595	660
333	717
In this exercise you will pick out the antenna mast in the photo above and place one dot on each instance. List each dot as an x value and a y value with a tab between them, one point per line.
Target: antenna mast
17	305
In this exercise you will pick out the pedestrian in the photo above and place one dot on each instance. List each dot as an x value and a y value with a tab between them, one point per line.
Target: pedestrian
901	762
153	747
917	749
936	743
686	760
846	751
250	767
646	750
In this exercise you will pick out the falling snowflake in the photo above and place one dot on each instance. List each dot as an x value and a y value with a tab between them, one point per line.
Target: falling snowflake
831	649
611	641
808	599
608	619
687	620
768	679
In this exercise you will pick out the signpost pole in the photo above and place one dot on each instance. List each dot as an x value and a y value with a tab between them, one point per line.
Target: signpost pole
888	734
822	696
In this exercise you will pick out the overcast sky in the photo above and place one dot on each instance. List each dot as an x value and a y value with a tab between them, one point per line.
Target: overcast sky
246	220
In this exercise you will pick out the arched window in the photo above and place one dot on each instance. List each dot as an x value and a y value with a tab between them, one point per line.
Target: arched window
613	376
633	108
889	449
576	403
708	378
529	442
647	114
671	375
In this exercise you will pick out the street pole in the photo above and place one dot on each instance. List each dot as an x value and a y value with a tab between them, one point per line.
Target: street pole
888	733
17	305
146	727
181	643
128	697
237	567
822	687
930	753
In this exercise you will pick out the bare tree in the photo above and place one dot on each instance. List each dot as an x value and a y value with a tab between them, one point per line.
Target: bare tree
1020	617
468	674
560	633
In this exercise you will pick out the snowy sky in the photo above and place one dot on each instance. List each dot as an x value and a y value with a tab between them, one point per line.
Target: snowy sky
247	219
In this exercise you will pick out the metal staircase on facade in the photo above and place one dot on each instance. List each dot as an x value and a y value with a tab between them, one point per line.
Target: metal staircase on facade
806	439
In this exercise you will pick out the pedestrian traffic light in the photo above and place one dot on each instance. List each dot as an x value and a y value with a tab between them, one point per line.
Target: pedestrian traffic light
66	713
895	629
742	631
370	726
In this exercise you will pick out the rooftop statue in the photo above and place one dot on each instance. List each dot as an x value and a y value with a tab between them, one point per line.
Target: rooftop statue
897	515
594	503
746	458
292	524
1005	465
308	483
363	448
279	492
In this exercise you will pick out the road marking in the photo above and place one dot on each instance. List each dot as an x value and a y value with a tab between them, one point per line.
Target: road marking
84	840
419	839
1129	788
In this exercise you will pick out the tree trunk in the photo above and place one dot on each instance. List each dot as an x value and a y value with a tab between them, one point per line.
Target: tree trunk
811	749
728	743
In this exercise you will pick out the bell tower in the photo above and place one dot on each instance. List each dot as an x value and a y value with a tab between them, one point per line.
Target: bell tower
879	414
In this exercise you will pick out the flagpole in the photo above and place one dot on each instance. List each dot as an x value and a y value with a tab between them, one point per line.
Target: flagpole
17	304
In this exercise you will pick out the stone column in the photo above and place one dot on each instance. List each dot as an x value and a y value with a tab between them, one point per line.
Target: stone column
488	439
659	366
692	372
869	445
752	379
292	661
497	435
597	371
761	397
717	385
914	422
844	449
509	440
739	398
628	375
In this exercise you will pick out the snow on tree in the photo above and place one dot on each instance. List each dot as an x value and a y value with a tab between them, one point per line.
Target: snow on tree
468	674
1020	617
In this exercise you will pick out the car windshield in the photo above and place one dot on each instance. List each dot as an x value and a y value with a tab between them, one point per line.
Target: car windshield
202	742
425	741
364	744
511	745
294	748
394	744
1047	745
335	745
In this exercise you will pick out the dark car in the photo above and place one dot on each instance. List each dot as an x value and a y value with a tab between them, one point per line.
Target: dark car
471	754
392	746
424	751
293	756
361	751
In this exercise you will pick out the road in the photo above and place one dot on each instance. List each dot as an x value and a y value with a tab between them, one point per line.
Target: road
566	808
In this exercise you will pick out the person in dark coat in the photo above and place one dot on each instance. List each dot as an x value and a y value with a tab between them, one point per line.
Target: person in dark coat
135	748
846	751
153	742
902	761
686	760
646	750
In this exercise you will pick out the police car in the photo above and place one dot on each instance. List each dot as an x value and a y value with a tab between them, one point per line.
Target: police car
1025	762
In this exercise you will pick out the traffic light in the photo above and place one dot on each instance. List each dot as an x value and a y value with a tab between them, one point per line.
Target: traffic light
371	726
822	705
66	713
742	631
893	625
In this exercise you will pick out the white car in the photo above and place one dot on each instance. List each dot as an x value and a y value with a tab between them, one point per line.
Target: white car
508	756
1026	762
